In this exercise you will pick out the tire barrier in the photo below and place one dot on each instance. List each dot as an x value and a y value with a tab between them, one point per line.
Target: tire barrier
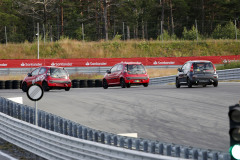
75	83
91	83
8	84
16	84
83	83
98	83
16	132
2	84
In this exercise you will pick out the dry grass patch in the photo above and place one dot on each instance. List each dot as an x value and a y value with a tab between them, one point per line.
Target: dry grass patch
161	72
13	77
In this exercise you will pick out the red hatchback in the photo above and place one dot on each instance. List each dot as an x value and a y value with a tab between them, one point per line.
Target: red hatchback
49	78
126	74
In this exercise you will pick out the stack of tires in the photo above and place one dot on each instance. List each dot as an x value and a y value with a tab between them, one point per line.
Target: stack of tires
8	84
76	83
91	83
83	83
2	84
98	83
16	84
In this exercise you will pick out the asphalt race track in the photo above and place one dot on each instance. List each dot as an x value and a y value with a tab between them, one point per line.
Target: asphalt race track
195	116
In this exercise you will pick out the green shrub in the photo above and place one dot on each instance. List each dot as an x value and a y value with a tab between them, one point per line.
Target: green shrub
166	36
192	34
225	32
117	37
229	65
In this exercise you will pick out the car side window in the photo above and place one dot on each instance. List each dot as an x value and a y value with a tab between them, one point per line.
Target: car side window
184	67
188	66
120	67
114	69
35	72
42	70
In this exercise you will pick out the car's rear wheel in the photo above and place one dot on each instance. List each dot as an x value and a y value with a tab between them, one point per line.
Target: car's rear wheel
215	84
45	86
177	83
189	83
24	87
105	84
145	84
122	82
67	88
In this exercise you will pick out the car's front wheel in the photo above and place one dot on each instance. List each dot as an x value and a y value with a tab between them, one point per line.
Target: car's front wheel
215	84
145	84
105	84
67	88
177	83
122	82
24	87
189	83
45	86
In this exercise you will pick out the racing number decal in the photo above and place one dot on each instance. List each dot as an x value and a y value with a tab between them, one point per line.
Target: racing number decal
40	78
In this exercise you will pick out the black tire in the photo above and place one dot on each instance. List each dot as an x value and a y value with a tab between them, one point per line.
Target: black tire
2	84
204	85
98	83
45	86
83	83
177	84
215	84
145	84
67	88
122	83
24	87
105	84
75	83
21	84
128	85
16	84
189	83
91	83
8	84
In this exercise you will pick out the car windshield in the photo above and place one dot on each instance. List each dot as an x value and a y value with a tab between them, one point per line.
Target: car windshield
135	69
203	67
58	73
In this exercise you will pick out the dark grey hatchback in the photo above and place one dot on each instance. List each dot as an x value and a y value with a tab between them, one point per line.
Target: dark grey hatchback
199	72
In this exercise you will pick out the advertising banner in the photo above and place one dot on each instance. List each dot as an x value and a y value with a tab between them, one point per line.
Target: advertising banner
103	62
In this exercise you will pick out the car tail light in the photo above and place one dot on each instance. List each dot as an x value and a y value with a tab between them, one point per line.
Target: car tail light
191	70
214	68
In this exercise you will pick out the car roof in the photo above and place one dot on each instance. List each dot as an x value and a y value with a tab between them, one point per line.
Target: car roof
130	63
51	67
195	61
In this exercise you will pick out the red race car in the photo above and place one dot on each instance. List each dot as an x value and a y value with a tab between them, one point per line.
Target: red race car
125	75
49	78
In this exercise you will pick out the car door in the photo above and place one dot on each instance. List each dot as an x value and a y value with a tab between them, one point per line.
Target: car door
41	75
186	70
31	79
118	74
111	75
181	73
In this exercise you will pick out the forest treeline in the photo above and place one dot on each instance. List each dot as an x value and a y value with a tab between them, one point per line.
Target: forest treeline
93	20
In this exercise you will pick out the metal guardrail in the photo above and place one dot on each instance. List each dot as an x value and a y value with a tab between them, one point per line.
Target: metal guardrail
223	75
59	138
